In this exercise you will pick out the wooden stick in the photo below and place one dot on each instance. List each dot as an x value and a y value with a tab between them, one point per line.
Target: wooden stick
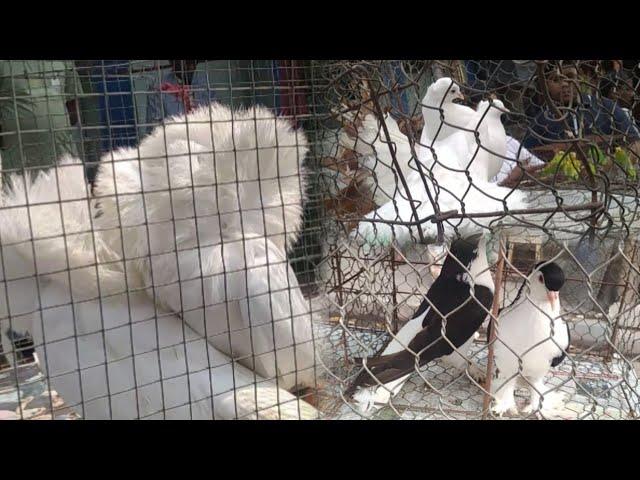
494	315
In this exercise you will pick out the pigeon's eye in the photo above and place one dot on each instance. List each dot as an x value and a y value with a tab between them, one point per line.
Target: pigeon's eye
540	279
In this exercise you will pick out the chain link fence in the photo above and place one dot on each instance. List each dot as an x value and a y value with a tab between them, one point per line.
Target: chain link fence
568	156
190	256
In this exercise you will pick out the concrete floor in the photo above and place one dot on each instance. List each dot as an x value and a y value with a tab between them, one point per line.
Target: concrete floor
591	388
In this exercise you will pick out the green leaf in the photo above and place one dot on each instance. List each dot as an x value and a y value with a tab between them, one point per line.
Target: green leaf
567	164
570	166
622	159
552	165
598	155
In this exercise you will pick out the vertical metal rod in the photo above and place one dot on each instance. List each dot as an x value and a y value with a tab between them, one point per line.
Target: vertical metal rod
339	294
394	290
494	315
396	164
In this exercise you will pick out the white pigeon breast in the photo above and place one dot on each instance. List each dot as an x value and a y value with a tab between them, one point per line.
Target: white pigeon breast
525	333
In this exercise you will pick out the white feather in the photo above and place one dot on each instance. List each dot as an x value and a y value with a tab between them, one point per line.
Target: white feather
371	398
529	336
442	117
452	191
120	358
376	156
257	165
492	136
242	178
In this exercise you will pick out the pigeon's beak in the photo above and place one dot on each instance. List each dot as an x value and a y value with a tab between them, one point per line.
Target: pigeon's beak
503	109
554	300
459	96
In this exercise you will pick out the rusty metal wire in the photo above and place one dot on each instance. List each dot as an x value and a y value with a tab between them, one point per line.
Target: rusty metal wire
371	157
382	207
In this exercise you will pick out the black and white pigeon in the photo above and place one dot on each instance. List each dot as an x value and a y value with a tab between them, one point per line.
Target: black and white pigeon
531	338
463	293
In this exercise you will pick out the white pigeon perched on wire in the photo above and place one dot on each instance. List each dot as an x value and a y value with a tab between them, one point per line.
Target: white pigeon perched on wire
452	191
492	129
372	144
489	148
441	116
85	325
480	146
531	338
447	178
463	294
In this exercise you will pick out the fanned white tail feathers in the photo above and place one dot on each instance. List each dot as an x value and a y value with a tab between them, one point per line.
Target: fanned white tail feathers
253	157
213	199
45	227
240	175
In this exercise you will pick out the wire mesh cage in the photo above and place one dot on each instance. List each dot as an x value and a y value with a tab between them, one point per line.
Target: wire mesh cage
538	156
319	239
157	237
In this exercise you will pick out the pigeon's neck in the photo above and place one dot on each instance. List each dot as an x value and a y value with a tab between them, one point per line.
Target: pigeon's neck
541	305
477	274
432	101
477	277
480	268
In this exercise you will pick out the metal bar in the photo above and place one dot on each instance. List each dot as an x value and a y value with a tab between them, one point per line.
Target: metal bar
503	213
494	317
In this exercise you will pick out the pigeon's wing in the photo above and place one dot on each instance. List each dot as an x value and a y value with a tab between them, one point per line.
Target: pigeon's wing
429	343
558	360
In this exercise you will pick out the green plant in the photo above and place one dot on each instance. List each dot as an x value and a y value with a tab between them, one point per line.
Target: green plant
564	163
623	161
597	156
570	166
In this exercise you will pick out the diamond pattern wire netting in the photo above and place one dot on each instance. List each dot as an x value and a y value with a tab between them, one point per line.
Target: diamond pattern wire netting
360	275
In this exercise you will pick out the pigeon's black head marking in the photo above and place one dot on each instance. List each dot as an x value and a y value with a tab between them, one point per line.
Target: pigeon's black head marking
553	275
465	250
